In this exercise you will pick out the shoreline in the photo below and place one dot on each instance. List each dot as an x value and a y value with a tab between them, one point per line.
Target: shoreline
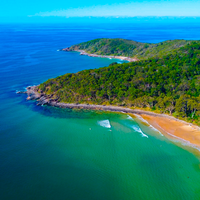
185	133
82	52
168	125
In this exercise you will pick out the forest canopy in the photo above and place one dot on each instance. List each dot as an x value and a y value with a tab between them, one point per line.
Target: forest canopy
167	84
129	48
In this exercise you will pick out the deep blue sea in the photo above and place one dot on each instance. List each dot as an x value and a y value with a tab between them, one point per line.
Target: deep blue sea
52	153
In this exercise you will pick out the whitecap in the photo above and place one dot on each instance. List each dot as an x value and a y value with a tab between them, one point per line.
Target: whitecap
138	116
105	123
129	117
137	129
156	130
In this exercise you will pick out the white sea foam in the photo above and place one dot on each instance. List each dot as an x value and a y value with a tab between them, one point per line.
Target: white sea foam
138	116
105	123
183	142
137	129
156	129
177	139
129	117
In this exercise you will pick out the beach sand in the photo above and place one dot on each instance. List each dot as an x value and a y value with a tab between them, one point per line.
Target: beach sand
82	52
173	129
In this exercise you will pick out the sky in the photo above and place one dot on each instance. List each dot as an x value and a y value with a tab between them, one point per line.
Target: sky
40	9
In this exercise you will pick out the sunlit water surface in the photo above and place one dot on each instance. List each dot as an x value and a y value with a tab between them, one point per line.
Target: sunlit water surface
53	153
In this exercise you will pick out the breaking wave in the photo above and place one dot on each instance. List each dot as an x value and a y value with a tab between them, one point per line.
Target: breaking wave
129	117
137	129
105	123
152	127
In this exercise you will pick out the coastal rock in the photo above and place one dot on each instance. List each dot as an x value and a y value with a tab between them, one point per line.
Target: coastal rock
21	92
65	49
42	99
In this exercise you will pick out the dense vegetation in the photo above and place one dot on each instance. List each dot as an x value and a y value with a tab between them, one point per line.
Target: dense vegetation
170	84
129	48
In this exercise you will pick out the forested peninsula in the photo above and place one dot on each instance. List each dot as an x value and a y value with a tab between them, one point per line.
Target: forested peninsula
128	48
166	79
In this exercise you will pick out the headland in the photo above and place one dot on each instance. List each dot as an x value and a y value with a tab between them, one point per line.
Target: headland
160	81
82	52
168	125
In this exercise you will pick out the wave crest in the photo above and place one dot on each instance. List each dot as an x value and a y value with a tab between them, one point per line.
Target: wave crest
105	123
137	129
129	117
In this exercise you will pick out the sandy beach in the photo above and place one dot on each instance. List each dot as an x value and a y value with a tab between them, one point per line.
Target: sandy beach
82	52
170	126
173	129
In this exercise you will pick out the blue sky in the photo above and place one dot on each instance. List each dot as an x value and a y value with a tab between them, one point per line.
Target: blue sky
21	9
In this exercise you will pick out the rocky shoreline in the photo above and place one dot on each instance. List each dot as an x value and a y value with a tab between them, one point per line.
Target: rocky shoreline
82	52
43	99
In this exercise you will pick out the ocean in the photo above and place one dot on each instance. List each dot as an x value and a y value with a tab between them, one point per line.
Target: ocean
62	154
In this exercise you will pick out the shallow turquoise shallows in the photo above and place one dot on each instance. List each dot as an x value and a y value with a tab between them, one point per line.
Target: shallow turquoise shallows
62	154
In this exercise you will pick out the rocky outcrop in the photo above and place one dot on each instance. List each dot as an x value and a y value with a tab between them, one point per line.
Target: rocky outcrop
32	93
42	99
66	49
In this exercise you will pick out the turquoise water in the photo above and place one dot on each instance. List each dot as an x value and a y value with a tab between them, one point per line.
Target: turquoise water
52	153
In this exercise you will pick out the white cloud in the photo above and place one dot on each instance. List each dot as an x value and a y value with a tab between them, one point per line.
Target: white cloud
129	10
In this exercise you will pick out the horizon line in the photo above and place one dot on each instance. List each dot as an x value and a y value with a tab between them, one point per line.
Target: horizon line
116	16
